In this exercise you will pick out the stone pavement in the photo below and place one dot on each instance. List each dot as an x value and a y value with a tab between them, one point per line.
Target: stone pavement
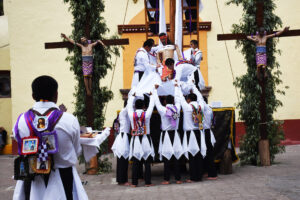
281	181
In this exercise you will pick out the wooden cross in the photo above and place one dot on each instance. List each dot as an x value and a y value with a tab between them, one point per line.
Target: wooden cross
240	36
88	99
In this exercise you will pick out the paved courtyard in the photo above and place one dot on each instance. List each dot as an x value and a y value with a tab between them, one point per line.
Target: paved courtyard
281	181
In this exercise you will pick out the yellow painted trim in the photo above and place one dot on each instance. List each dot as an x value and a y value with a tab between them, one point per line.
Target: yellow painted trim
224	109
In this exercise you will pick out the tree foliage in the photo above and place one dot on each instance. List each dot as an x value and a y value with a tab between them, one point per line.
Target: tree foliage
250	90
89	11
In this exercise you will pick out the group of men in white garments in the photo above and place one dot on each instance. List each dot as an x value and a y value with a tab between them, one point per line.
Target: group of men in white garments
162	71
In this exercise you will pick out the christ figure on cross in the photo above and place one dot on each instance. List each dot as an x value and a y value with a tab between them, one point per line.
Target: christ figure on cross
87	59
261	51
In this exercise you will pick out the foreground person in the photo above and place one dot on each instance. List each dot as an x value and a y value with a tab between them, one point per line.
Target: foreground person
56	176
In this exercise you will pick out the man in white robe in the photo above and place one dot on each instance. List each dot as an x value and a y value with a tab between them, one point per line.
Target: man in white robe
141	146
210	141
193	140
194	55
64	182
142	62
121	147
170	147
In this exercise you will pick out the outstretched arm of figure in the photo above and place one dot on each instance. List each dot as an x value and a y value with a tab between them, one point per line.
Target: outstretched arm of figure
70	40
177	98
184	104
98	42
130	105
160	108
278	33
200	99
252	38
150	107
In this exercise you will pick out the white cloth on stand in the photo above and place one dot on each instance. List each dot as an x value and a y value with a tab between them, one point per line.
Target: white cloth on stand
90	145
55	189
178	24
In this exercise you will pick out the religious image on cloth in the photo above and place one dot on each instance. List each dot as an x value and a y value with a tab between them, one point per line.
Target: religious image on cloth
29	145
40	123
50	139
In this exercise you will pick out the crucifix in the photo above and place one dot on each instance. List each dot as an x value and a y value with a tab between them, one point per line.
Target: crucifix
89	98
264	151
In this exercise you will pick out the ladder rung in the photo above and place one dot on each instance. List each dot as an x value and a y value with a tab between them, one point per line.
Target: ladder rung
193	20
153	22
187	8
191	33
152	9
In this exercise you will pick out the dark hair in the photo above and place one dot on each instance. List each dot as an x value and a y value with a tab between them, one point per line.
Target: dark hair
261	29
162	34
170	99
44	87
139	104
148	43
195	42
192	97
168	40
169	61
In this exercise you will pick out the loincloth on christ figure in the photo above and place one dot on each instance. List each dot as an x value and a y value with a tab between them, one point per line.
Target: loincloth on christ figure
261	56
87	65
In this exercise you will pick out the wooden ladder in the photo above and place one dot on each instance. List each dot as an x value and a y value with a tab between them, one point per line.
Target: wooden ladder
187	20
147	22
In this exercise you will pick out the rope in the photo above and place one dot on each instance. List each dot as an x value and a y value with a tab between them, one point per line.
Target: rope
114	67
227	52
